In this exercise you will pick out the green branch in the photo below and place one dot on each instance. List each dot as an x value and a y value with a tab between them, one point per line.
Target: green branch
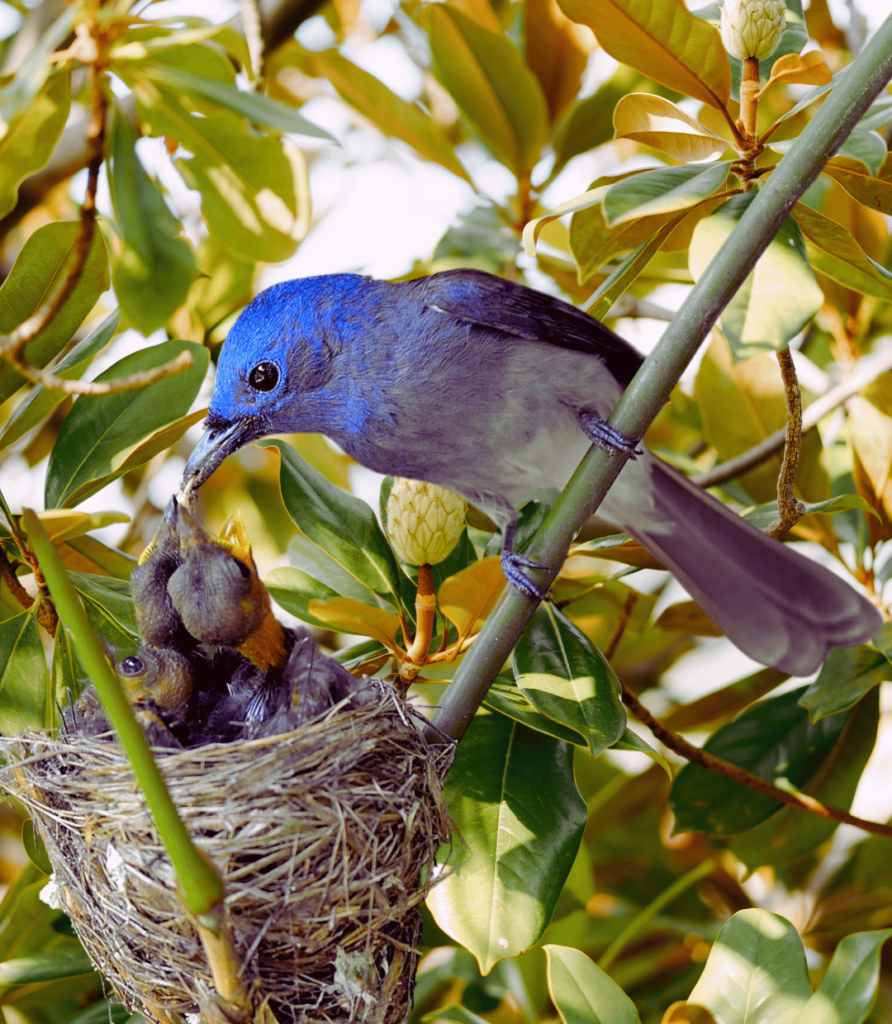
653	383
201	886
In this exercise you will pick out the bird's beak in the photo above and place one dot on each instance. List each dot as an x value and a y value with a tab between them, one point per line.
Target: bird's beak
211	450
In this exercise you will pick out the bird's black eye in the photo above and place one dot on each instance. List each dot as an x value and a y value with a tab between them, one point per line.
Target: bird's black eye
132	666
264	376
242	568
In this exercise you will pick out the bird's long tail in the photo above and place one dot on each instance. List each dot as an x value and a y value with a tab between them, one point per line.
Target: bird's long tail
776	605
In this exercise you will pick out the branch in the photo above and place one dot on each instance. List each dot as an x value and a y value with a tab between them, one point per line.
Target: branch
710	763
789	509
661	370
867	372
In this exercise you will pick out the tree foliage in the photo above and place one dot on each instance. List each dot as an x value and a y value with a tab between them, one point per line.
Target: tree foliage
631	879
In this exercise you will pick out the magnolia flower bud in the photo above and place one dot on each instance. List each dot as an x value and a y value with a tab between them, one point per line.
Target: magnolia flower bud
752	28
424	521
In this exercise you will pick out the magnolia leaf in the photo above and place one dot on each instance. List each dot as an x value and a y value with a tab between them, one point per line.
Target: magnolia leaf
347	615
656	122
467	598
834	251
867	148
800	69
661	191
506	697
778	298
846	675
664	41
848	989
64	524
584	994
533	228
854	177
557	52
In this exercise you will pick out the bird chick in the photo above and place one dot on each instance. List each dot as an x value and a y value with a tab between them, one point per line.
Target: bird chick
220	597
158	620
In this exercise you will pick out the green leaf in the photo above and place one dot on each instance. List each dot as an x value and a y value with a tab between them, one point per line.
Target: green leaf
519	820
869	190
35	848
66	672
762	515
633	742
773	740
848	989
295	591
568	679
56	963
755	972
109	608
18	94
791	833
31	136
778	298
663	190
582	993
846	675
40	401
255	196
506	697
344	527
867	148
832	250
389	112
23	675
663	41
253	105
38	271
492	86
100	431
456	1014
156	267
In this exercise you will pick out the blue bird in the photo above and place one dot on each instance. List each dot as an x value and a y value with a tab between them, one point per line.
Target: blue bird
496	391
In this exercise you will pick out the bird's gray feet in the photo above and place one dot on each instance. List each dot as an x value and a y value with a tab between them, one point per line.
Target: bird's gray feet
513	566
601	433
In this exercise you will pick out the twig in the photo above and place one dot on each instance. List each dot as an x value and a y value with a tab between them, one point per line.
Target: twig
710	763
621	623
813	414
789	509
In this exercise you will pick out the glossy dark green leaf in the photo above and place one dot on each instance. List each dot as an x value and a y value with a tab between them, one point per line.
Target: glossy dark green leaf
846	675
492	86
35	848
519	819
40	401
774	740
506	697
48	966
101	430
342	526
582	993
791	833
38	271
568	679
23	675
31	136
662	190
848	989
778	298
631	741
293	590
109	608
156	266
253	105
755	972
867	147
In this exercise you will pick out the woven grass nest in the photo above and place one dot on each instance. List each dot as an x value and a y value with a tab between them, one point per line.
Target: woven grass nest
325	838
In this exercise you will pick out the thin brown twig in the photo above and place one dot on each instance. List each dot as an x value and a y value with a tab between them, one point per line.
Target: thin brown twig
789	509
707	761
619	629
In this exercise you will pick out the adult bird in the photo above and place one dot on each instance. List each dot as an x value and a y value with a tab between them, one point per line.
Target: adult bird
495	391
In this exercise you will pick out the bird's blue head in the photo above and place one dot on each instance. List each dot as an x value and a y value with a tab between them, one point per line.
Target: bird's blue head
275	366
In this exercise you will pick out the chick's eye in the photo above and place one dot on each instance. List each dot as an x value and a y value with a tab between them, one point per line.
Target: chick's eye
242	568
131	666
264	376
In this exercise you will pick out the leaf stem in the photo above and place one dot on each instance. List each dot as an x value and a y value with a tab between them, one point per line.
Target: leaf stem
661	370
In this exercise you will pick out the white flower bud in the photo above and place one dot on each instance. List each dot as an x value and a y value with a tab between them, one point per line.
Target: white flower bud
424	521
752	28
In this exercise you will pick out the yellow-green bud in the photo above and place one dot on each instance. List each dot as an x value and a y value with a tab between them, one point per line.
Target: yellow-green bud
752	28
424	521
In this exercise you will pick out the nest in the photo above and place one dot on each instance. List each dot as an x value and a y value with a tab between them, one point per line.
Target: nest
325	838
